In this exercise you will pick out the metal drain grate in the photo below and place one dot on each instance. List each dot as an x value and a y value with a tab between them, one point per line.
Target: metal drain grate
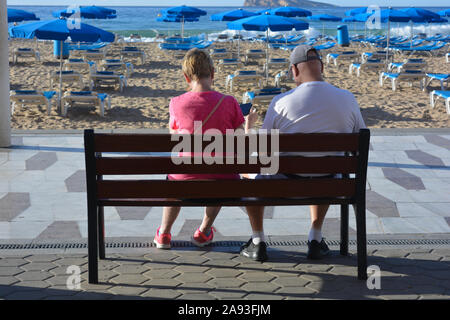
181	244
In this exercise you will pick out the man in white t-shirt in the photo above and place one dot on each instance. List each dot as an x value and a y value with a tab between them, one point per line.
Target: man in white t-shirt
313	106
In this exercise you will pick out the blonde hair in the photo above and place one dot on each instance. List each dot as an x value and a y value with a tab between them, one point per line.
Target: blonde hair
197	64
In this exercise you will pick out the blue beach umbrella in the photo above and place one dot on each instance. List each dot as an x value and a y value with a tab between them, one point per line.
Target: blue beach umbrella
185	11
355	11
324	17
290	12
17	15
387	15
181	14
419	15
264	23
444	13
60	30
232	15
87	12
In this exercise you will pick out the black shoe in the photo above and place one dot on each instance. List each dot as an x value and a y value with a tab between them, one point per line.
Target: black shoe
317	250
256	252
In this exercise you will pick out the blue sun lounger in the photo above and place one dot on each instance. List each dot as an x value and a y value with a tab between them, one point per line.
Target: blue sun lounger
441	77
261	96
440	94
33	97
370	64
406	75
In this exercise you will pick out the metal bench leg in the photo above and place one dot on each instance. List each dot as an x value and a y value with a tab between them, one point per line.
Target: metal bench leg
344	230
93	244
360	212
101	232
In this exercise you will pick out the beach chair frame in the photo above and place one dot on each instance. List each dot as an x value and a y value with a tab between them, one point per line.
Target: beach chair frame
235	80
118	81
74	77
69	100
29	52
34	99
410	78
434	96
365	66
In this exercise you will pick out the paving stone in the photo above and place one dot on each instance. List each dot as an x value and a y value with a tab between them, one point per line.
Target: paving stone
41	161
76	182
7	281
34	275
42	258
161	294
10	271
13	204
226	282
256	276
224	273
161	274
106	275
197	296
131	269
193	277
194	287
190	269
260	287
162	283
299	292
61	230
327	286
194	259
224	295
93	296
32	284
127	290
76	261
131	279
38	266
399	297
291	282
27	295
263	296
12	262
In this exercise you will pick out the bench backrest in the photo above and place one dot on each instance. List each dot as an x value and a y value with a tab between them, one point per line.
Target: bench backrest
150	154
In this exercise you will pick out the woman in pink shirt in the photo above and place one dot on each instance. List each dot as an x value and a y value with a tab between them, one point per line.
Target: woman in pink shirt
214	111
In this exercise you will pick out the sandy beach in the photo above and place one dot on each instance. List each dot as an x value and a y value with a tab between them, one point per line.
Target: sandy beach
144	102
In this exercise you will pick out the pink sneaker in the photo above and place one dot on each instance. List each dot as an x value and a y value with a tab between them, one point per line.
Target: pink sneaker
162	240
200	239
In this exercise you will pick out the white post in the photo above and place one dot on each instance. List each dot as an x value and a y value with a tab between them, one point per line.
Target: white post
5	109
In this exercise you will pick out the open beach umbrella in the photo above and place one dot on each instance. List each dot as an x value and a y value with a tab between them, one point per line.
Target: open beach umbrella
233	16
290	12
264	23
17	15
419	15
182	13
60	30
323	18
355	11
387	15
87	12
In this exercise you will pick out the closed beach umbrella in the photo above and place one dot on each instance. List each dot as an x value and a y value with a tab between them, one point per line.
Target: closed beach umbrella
264	23
323	18
181	14
290	12
87	12
17	15
60	30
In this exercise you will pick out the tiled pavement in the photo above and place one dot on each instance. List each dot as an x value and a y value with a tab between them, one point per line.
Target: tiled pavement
42	199
42	190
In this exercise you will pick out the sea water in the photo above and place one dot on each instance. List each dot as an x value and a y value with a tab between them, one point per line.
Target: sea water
142	21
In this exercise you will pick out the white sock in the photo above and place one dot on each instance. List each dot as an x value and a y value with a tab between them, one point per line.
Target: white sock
315	234
257	237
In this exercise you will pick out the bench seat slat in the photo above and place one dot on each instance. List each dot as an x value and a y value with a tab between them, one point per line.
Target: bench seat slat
122	189
165	165
293	142
222	202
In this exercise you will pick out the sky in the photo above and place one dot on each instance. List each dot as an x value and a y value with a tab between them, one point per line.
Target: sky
354	3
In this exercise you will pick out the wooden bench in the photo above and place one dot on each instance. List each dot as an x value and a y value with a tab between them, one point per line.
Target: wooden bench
157	191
